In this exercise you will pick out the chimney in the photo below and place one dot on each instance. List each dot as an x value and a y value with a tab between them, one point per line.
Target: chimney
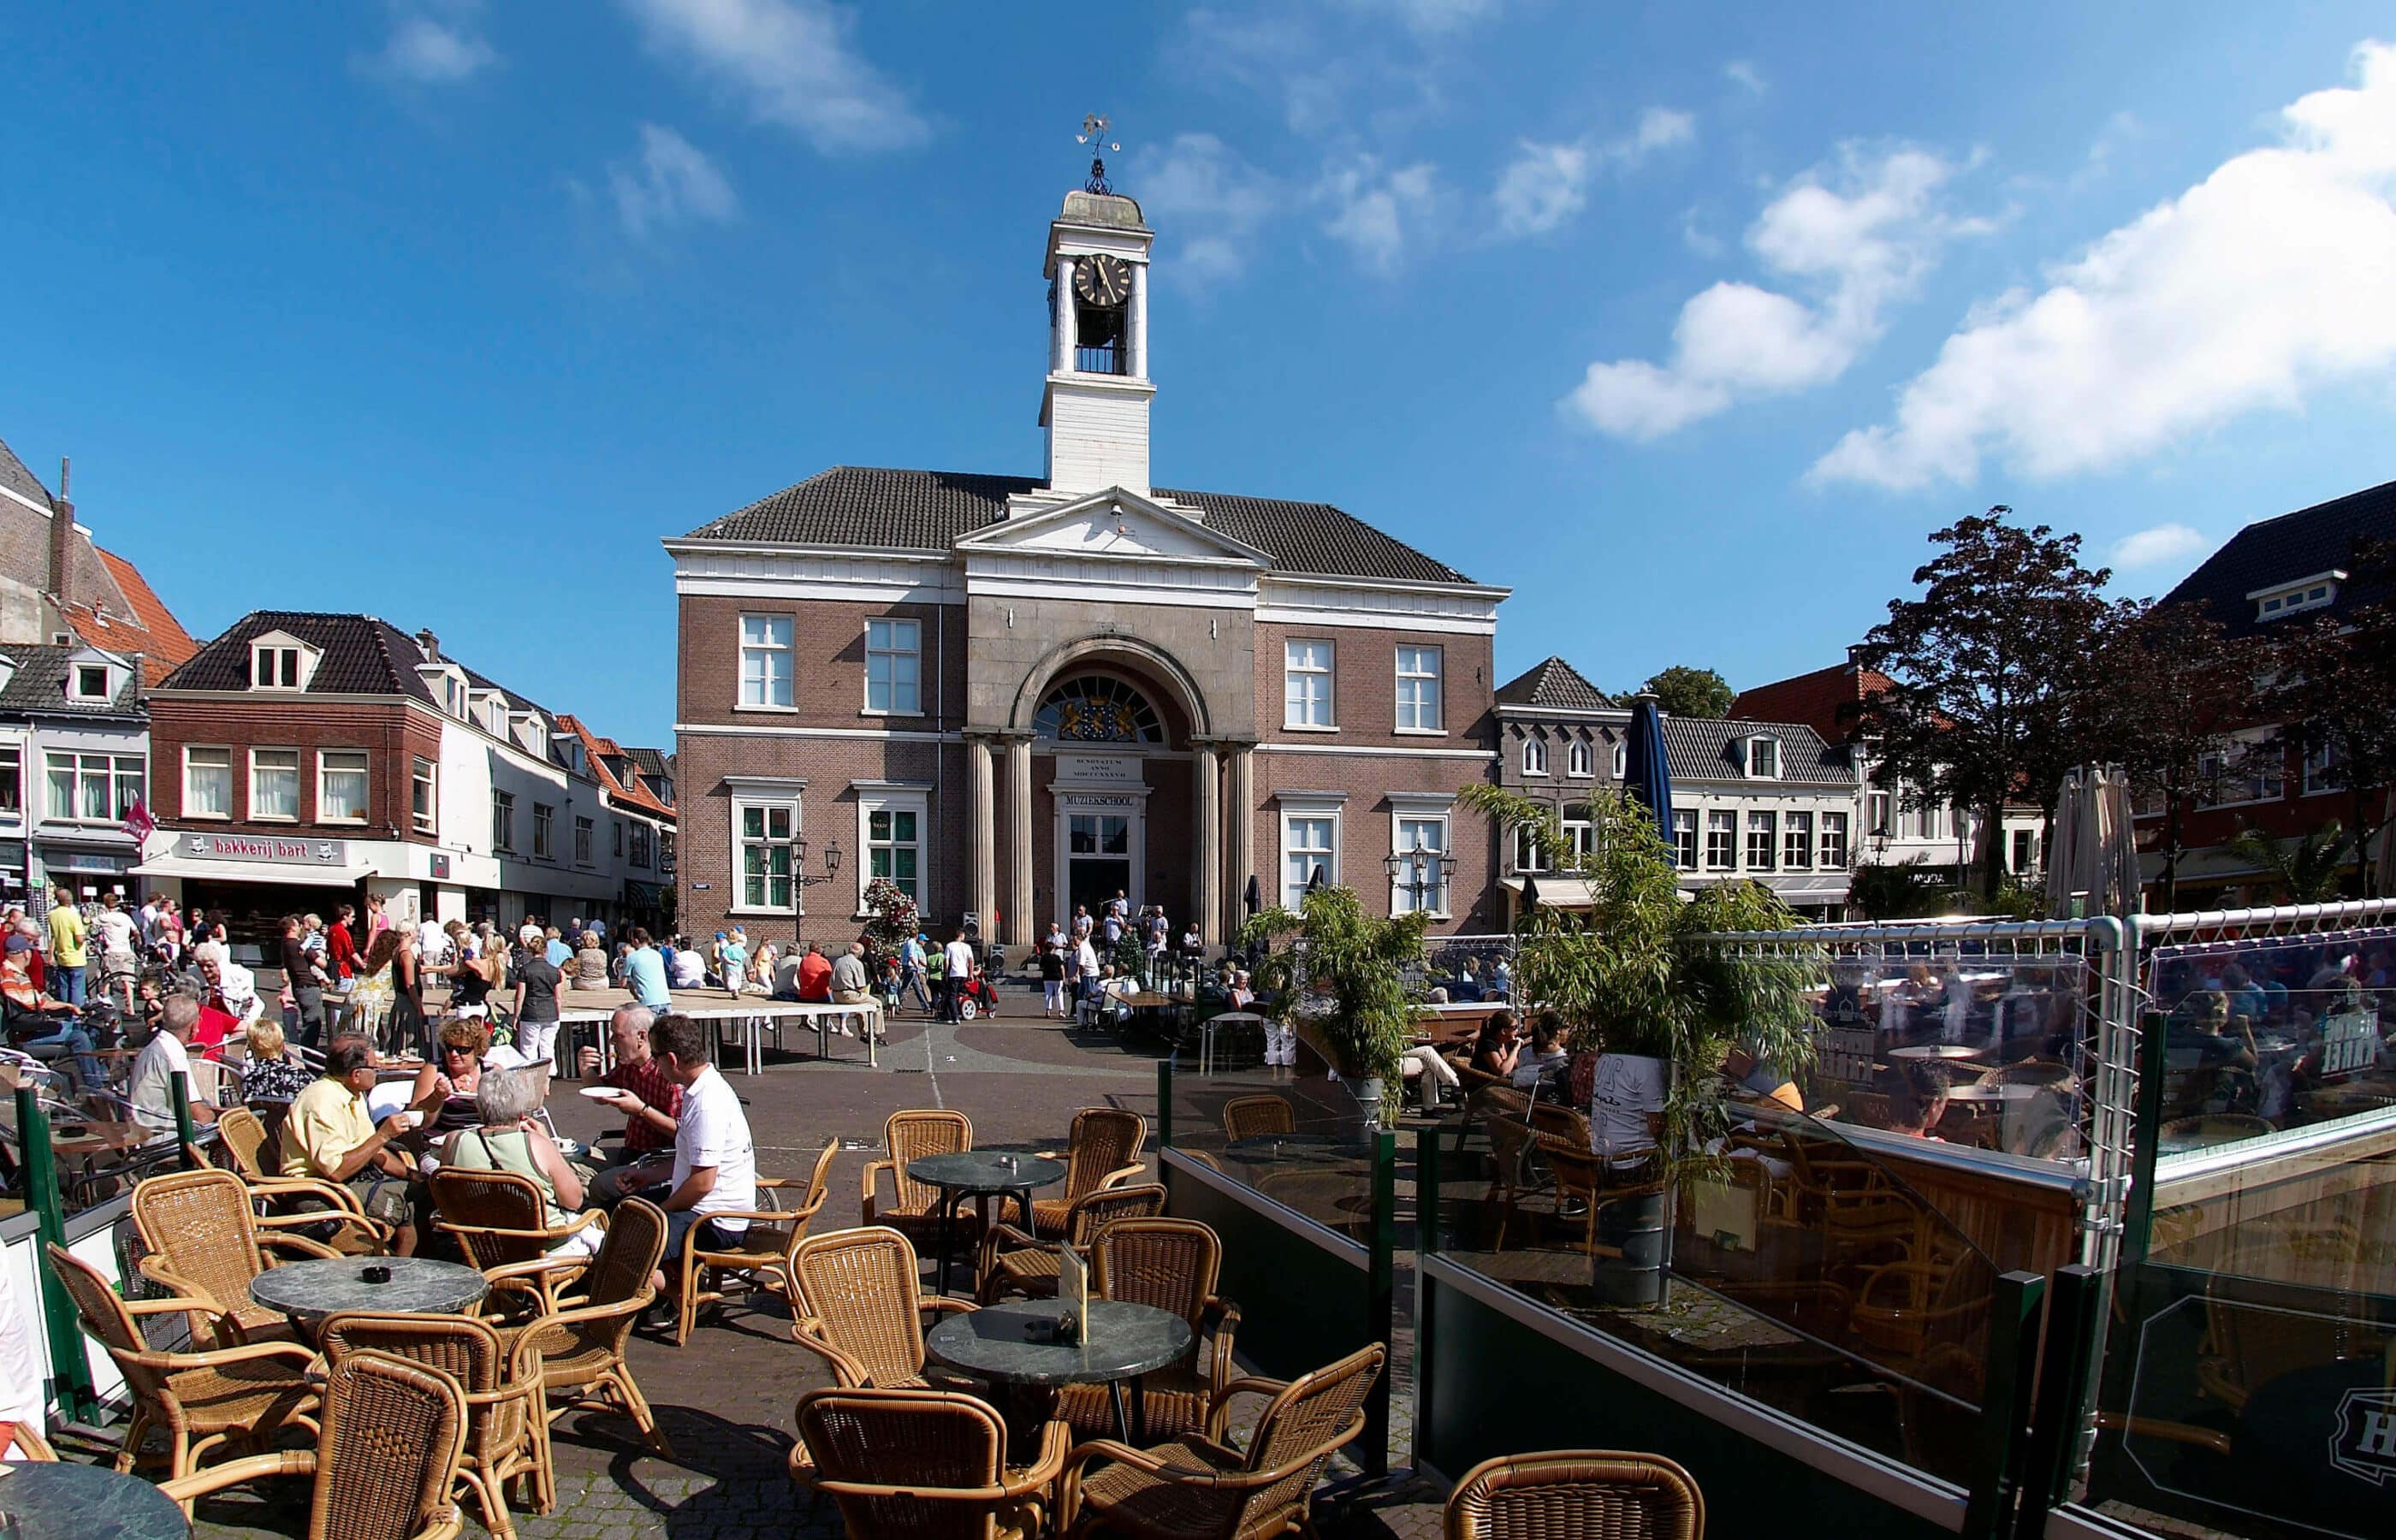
431	643
62	538
1854	654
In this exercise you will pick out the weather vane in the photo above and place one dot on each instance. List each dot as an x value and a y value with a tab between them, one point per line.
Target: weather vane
1094	133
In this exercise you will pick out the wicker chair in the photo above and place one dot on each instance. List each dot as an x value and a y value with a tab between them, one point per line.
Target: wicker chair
500	1218
1173	1264
204	1244
1247	1117
761	1252
30	1443
384	1463
923	1463
1103	1152
581	1341
507	1432
199	1401
861	1307
1013	1262
915	1210
1577	1491
289	1203
1197	1487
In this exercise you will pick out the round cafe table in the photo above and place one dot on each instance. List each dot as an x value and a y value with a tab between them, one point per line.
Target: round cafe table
308	1292
1938	1051
1009	1344
980	1174
81	1501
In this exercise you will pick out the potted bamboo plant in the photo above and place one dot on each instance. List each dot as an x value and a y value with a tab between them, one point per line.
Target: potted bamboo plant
1339	977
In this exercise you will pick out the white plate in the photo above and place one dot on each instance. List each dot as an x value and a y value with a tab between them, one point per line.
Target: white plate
602	1093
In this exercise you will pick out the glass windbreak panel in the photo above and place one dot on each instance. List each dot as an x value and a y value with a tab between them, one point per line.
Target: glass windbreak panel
1989	1052
1301	1139
2272	1034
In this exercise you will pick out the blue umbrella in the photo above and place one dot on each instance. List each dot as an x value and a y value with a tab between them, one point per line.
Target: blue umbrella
1644	773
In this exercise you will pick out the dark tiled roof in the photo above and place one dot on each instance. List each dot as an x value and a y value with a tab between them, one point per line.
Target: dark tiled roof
39	684
1701	748
863	506
17	479
358	655
651	761
1555	685
2319	538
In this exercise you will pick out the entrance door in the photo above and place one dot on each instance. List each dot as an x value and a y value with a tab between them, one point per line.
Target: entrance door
1098	859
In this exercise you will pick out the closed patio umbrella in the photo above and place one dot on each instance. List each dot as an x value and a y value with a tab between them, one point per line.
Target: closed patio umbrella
1645	775
2096	848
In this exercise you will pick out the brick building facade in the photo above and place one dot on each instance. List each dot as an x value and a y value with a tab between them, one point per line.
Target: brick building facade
1017	694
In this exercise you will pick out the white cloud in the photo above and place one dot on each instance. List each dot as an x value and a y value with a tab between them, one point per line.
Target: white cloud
1743	73
1376	213
1858	246
2273	277
438	42
2163	544
669	183
1547	184
1430	18
791	62
1210	200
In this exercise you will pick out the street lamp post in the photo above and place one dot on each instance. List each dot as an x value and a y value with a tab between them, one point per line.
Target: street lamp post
801	881
1421	873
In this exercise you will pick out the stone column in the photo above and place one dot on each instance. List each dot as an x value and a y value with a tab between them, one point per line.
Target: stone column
1204	765
1018	929
1242	811
981	842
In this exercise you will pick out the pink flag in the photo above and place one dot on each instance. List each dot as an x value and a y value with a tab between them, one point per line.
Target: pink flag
138	821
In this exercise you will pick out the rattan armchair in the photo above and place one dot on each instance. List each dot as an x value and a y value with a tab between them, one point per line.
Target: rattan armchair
1103	1152
203	1242
923	1463
293	1203
385	1461
199	1401
28	1442
861	1307
500	1218
507	1428
761	1252
1588	1492
598	1299
913	1209
1172	1265
1198	1487
1249	1117
1013	1262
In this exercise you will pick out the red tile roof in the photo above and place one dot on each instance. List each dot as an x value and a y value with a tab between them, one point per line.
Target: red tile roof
165	640
598	751
1816	699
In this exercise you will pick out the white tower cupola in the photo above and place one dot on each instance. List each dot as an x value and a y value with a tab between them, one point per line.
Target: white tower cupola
1096	403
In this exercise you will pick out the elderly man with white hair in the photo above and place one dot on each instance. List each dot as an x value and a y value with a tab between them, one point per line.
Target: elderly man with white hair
650	1100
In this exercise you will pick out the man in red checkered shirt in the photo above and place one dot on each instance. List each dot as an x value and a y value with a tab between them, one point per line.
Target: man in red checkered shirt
650	1100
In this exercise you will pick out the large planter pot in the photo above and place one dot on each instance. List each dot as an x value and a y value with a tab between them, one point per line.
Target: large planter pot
1634	1243
1367	1093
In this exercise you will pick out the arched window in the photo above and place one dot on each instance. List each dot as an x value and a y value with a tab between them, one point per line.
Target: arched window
1621	761
1095	708
1535	756
1576	758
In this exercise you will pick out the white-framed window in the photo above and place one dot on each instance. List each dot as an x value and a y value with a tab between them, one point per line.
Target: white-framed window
207	782
894	667
1880	826
1762	830
1418	690
1621	761
1576	760
1763	758
93	788
92	681
1581	837
1722	840
1685	839
545	821
1309	842
1834	841
582	842
278	664
424	805
762	829
1427	833
2025	852
2322	772
504	820
12	780
274	785
1535	756
894	845
640	857
1527	855
766	661
1797	841
2312	594
1306	684
340	785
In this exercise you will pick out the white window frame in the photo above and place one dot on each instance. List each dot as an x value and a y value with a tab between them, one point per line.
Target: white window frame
892	797
583	829
2021	851
2319	766
1580	836
1527	855
1408	808
1308	810
767	800
1828	857
1685	856
425	772
1766	822
1794	843
766	650
1763	744
112	771
256	816
1299	680
12	763
1621	760
1578	758
2316	592
544	831
1413	681
503	821
107	682
1727	825
1535	756
890	655
365	772
1878	814
226	750
281	649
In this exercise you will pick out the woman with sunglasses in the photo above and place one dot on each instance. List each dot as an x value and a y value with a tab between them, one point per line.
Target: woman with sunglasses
445	1087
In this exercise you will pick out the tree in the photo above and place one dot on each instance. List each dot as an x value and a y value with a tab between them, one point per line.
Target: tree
1356	966
2306	871
1682	691
1986	669
2331	685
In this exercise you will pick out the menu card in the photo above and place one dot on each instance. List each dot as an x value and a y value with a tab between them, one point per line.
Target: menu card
1074	1294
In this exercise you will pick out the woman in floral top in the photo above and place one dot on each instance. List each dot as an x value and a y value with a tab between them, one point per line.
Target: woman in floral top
273	1072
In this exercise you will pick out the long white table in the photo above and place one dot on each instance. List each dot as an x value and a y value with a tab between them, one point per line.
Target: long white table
752	1016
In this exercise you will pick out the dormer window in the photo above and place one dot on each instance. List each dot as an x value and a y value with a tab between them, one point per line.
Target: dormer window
2306	593
92	681
1763	758
280	662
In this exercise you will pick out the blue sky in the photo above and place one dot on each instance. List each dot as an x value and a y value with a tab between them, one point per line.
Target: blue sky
1687	322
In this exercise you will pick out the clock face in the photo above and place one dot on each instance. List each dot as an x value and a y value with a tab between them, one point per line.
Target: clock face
1102	280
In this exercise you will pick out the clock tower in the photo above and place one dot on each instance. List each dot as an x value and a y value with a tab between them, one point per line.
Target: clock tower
1095	404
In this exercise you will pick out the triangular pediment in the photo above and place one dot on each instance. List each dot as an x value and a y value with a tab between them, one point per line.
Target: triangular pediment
1116	525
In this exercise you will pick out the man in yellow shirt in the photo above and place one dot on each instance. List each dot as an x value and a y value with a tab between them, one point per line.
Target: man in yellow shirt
328	1135
67	955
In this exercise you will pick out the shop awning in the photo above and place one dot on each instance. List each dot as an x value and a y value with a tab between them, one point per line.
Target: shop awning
1558	893
296	873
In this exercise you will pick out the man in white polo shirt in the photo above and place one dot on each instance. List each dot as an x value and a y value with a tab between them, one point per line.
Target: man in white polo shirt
715	1160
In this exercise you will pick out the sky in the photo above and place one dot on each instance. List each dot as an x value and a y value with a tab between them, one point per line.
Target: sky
1689	321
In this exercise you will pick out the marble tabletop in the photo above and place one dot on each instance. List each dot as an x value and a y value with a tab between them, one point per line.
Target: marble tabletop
996	1343
1939	1051
313	1290
81	1501
987	1171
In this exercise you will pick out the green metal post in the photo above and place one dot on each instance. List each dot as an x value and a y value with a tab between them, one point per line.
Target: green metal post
185	1133
1380	1298
72	1375
2013	1354
2138	1213
1427	1243
2075	1304
1164	1103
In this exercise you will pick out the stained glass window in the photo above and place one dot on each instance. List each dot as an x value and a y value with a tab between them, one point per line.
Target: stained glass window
1098	710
